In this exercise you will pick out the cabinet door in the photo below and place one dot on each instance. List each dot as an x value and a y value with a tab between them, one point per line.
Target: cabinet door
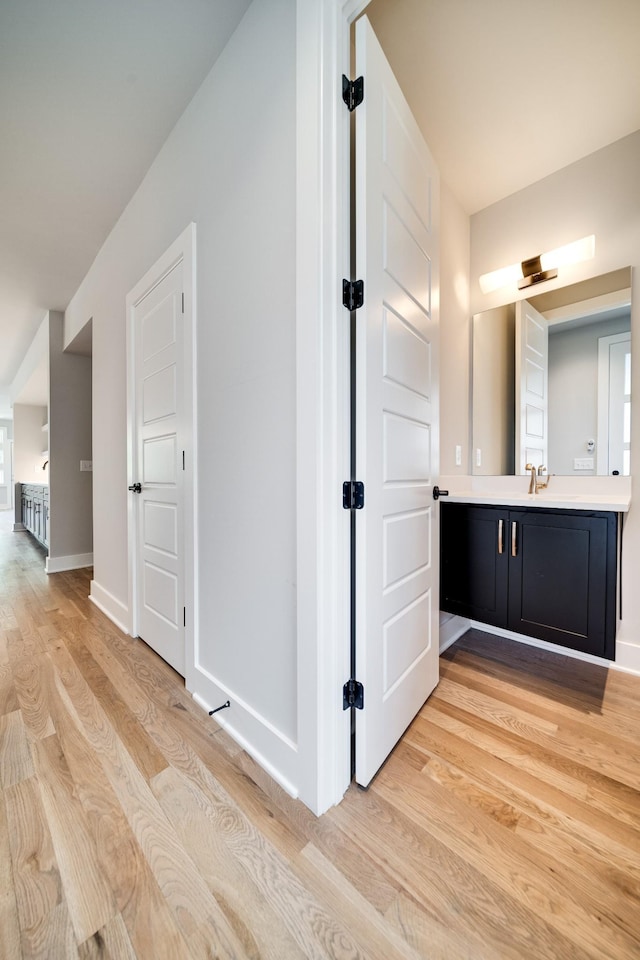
37	517
474	562
562	579
45	523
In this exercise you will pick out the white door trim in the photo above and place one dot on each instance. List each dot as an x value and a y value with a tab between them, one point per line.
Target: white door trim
181	250
322	334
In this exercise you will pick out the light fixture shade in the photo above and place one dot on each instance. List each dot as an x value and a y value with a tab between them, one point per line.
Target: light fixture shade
505	277
540	268
575	252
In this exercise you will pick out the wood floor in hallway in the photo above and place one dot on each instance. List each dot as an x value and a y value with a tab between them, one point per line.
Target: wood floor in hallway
506	824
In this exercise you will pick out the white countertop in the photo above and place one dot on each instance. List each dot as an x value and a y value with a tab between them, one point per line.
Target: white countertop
563	493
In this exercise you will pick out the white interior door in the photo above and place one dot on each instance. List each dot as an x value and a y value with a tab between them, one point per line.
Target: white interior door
397	569
158	467
532	387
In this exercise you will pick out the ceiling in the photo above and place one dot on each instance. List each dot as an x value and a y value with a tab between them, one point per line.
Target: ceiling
89	92
506	92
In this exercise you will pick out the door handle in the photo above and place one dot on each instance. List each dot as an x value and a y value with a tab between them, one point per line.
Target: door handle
136	488
514	538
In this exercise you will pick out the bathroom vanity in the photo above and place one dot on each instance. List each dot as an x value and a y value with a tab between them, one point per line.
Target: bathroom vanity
539	566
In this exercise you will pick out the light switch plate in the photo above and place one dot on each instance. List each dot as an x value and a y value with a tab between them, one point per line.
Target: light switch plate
458	455
86	466
583	463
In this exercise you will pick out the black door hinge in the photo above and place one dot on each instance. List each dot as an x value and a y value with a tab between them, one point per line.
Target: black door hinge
352	294
352	695
353	495
352	92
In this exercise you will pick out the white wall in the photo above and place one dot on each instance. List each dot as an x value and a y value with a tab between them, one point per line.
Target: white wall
229	165
601	195
30	384
455	333
70	489
28	441
6	446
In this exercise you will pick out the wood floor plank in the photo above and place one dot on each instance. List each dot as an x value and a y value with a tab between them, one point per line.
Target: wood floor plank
29	688
316	931
459	904
8	697
188	809
431	940
605	754
561	809
35	870
365	924
522	872
15	756
194	908
149	760
544	764
10	948
610	867
110	943
144	910
55	938
618	724
86	891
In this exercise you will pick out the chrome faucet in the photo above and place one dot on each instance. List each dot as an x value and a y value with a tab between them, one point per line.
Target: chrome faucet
537	483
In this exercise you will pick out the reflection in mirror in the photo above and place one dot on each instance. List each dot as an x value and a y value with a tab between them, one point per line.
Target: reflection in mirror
570	411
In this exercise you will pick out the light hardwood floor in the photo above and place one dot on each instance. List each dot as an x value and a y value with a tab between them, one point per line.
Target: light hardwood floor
506	824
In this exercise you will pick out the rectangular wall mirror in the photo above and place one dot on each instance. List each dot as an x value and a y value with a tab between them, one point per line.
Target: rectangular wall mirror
551	381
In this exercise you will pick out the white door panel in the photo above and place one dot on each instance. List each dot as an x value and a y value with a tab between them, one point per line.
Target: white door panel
397	591
157	323
532	387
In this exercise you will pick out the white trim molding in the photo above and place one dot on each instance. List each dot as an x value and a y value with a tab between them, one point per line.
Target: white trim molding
252	731
74	561
112	608
322	398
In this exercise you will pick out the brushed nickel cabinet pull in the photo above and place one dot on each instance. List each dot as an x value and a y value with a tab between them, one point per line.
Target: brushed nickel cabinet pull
514	539
500	536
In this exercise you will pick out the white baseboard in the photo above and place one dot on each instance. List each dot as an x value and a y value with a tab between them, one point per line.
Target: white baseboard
451	627
271	749
113	608
19	527
627	657
75	561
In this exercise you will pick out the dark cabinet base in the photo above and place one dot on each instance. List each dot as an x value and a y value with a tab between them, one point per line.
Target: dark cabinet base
547	574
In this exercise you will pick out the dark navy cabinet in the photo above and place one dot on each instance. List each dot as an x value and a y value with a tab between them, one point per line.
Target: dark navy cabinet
549	574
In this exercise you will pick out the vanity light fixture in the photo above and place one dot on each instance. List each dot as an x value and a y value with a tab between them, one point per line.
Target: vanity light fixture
532	272
540	268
